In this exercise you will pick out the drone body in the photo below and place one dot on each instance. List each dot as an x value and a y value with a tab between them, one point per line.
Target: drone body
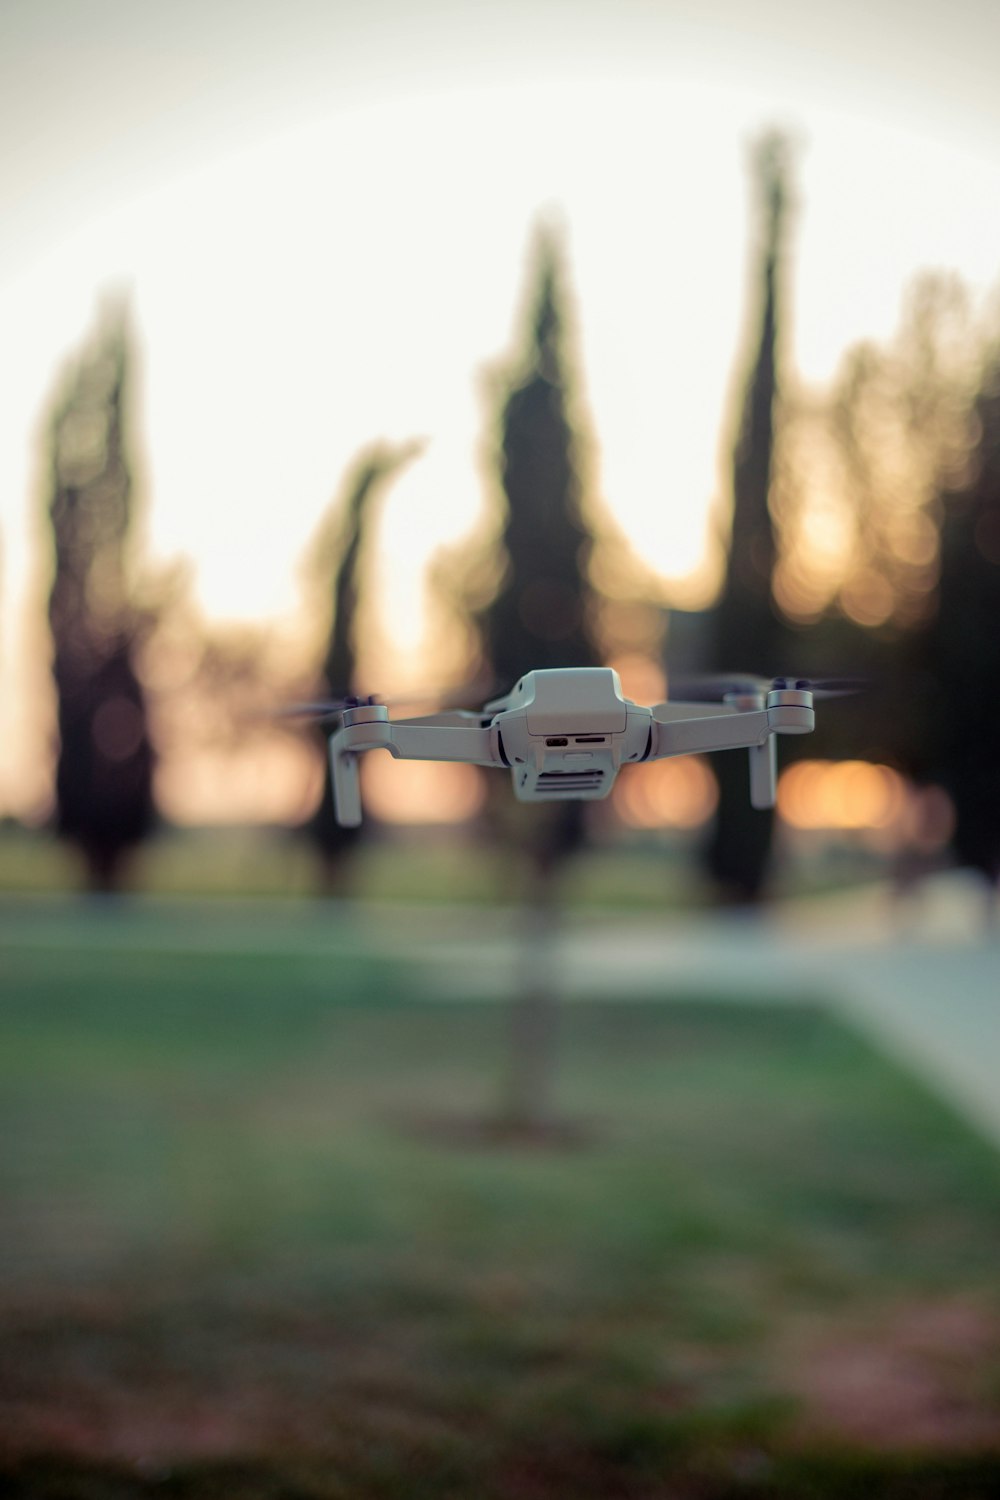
564	733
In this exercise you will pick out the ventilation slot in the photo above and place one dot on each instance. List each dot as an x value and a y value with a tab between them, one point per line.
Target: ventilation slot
569	781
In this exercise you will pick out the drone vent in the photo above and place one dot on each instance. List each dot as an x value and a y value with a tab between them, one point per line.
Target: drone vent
570	781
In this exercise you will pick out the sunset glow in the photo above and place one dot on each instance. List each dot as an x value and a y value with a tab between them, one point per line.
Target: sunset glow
840	794
676	793
414	791
324	243
277	781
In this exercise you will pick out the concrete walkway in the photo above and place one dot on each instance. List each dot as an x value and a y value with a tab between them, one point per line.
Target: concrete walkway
924	981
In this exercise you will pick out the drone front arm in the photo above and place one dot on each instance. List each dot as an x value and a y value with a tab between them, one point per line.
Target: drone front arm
451	742
369	728
447	718
733	730
729	727
722	728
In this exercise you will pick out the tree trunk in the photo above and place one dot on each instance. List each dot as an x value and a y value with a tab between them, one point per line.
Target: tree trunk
533	1015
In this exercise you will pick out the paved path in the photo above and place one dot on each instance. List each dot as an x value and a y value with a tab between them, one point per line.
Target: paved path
925	982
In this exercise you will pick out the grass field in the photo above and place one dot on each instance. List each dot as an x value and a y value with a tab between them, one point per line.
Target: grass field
255	1245
642	872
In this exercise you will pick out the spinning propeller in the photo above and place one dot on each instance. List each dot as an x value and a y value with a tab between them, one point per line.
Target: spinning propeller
331	708
716	687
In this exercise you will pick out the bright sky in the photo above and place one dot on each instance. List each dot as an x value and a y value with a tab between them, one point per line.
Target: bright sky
321	210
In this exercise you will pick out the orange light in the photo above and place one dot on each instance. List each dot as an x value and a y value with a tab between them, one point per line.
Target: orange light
675	793
867	598
271	781
848	794
642	678
420	791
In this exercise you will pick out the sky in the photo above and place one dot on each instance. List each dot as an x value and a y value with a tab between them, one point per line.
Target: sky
321	212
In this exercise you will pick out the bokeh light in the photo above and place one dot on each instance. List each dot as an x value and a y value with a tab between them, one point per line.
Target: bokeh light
676	793
847	794
271	780
420	791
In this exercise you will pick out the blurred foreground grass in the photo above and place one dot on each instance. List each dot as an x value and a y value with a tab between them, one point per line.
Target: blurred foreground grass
429	865
257	1243
650	871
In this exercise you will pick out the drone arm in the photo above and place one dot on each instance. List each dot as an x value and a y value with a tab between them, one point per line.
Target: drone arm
674	711
452	718
729	729
444	742
741	729
688	728
438	741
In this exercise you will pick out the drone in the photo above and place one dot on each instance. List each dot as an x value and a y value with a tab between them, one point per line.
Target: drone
564	733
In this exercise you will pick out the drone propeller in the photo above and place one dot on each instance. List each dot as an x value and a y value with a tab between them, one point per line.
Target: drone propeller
330	708
327	708
714	687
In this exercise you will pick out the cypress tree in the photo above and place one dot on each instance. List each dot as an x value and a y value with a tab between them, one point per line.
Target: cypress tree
963	647
542	613
104	791
746	634
339	554
540	616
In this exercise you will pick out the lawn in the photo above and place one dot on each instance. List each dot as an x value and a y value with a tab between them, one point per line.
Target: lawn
638	872
256	1245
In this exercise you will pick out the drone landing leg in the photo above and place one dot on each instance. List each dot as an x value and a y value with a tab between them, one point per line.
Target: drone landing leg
346	787
764	773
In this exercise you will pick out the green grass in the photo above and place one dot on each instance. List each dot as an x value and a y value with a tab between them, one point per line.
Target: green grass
425	865
631	872
255	1244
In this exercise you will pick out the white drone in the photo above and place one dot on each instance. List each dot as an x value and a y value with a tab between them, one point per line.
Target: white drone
564	733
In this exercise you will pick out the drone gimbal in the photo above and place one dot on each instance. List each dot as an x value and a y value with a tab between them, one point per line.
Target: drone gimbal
564	733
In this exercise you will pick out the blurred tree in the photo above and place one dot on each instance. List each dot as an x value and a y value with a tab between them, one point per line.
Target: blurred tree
336	561
962	646
104	772
541	615
858	502
746	633
898	418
